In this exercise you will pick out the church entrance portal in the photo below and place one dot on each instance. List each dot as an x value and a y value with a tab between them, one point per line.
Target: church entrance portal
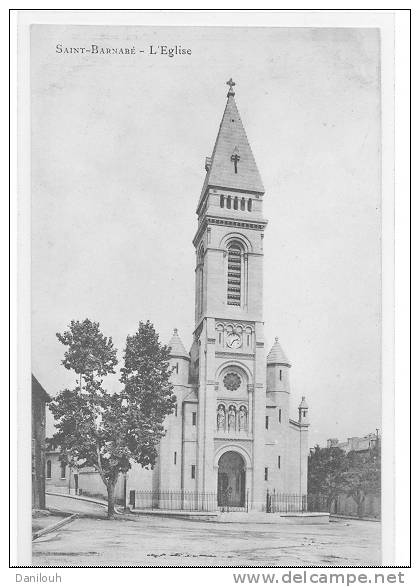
231	480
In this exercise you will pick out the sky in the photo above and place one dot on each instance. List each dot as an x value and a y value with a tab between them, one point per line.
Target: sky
118	149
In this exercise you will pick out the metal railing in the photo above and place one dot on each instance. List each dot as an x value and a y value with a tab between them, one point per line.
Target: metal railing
285	502
228	503
191	501
318	503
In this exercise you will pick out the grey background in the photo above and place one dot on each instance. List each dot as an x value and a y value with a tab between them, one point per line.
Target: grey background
118	148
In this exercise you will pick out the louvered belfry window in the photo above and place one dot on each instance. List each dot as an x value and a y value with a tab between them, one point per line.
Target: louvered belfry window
234	275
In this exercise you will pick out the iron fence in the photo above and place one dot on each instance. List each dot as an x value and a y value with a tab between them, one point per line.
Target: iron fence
319	503
191	501
229	503
344	505
285	502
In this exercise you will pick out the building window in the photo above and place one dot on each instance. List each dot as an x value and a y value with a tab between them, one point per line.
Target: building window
249	205
194	418
192	471
280	374
266	422
228	202
266	474
176	368
243	204
48	469
176	410
235	203
280	416
63	470
222	201
279	462
234	275
175	458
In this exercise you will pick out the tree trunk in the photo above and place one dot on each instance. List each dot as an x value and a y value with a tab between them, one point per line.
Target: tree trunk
111	500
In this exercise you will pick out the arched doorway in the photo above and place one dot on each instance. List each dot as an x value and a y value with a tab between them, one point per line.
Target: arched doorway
231	480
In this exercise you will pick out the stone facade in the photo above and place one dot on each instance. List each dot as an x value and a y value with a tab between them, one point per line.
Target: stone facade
232	433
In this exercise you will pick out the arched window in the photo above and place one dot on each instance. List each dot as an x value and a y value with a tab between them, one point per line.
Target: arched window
234	279
48	469
235	203
229	202
222	201
243	204
249	205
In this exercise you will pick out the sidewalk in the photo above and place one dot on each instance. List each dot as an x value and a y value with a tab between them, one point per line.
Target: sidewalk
101	502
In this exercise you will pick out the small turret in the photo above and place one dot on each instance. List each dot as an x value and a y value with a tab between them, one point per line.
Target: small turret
278	366
303	411
179	359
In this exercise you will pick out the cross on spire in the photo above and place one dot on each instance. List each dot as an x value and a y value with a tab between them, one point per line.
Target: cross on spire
230	83
235	158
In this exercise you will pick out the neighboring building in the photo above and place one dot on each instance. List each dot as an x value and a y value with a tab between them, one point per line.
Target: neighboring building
355	443
59	477
39	399
232	431
344	504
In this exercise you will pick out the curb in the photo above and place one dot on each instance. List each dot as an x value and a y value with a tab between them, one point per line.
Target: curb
82	498
55	526
342	517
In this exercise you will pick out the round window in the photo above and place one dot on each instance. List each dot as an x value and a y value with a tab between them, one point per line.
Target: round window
232	381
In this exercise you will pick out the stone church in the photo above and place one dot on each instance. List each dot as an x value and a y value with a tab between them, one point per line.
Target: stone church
232	432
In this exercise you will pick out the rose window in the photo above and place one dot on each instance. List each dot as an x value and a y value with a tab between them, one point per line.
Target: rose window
232	381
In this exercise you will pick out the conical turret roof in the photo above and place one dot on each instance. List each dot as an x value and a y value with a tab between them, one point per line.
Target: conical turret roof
303	404
177	348
277	356
232	164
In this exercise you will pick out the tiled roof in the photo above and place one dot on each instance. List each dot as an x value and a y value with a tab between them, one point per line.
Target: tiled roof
38	390
231	143
276	356
177	348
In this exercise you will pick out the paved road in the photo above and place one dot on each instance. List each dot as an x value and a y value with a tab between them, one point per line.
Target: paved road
154	541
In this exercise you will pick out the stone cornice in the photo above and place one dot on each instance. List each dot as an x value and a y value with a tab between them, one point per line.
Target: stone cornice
230	355
231	222
298	424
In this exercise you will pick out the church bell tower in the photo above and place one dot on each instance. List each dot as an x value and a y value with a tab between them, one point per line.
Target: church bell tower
228	366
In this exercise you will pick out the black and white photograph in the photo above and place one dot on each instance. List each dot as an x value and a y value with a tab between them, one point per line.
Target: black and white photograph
206	295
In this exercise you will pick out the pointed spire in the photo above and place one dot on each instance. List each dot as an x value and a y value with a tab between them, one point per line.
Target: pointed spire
277	356
232	164
303	405
177	348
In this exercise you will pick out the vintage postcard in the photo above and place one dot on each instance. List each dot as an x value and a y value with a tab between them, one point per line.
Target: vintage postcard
207	232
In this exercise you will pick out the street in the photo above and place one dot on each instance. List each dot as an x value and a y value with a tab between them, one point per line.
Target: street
156	541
